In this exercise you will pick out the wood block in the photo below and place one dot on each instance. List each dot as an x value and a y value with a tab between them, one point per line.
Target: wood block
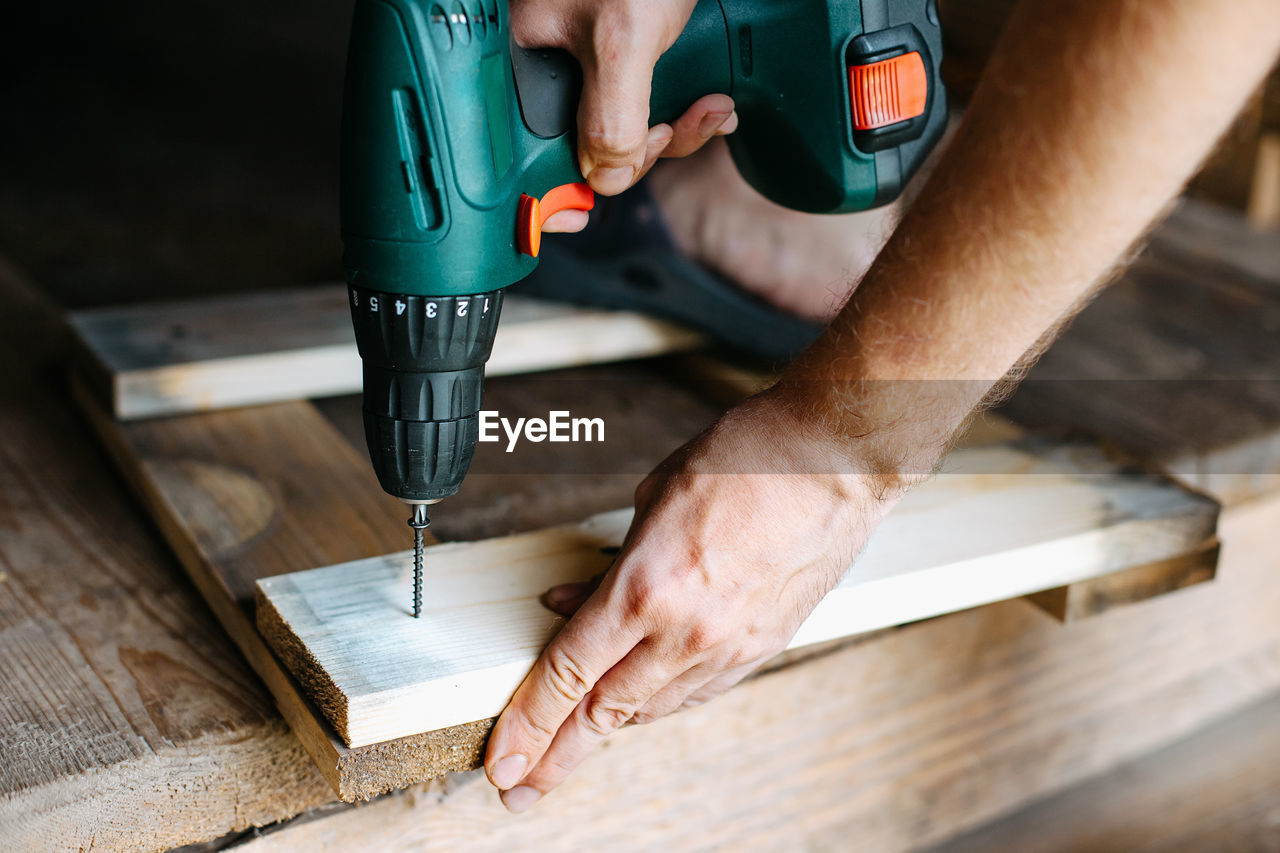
1264	196
169	358
1093	597
1001	521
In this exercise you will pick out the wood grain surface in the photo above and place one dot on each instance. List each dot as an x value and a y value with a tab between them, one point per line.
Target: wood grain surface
1216	790
999	522
127	718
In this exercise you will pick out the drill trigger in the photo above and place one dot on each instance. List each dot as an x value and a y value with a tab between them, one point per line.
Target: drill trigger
532	214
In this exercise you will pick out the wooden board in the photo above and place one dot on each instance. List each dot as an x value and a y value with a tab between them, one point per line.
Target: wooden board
894	743
1000	522
198	355
1217	240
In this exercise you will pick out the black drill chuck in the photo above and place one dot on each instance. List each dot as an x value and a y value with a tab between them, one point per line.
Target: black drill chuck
424	360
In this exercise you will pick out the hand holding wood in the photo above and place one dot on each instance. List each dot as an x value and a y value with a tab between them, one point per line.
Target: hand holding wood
736	538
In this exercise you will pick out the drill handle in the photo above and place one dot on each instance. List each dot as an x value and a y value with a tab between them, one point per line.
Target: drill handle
839	101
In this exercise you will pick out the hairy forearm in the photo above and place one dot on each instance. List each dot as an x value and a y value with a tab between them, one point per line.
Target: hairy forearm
1090	117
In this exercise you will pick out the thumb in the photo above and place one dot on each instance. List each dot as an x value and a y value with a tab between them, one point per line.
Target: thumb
613	115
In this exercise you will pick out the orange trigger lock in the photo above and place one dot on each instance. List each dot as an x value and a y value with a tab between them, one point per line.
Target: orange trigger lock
532	213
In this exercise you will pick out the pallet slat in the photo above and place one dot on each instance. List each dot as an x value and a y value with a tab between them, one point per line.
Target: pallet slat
199	355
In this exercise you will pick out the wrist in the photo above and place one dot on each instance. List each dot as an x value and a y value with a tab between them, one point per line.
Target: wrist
888	434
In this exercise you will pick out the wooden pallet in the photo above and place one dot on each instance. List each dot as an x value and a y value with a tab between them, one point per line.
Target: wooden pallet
251	493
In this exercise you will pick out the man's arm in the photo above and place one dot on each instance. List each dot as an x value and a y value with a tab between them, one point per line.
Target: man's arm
1090	117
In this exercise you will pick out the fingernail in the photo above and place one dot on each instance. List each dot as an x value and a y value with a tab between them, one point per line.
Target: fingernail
520	799
711	123
660	138
558	596
508	771
730	125
611	181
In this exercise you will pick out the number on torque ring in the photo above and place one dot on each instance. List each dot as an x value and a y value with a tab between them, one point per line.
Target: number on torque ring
431	309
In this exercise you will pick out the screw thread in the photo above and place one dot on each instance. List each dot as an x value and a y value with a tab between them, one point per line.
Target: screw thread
419	522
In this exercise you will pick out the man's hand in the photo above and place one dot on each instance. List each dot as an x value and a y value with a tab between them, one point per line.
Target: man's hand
617	43
736	538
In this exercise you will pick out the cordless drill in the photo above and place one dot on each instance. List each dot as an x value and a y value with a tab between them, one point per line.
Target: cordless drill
458	144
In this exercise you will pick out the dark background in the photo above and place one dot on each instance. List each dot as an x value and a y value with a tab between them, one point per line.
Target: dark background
153	149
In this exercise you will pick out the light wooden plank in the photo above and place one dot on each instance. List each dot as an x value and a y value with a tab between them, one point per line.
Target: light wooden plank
1001	521
898	742
198	355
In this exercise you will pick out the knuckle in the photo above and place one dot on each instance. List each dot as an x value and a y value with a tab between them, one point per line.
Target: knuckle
751	652
645	490
705	635
603	714
642	597
615	141
616	35
538	730
565	675
646	716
